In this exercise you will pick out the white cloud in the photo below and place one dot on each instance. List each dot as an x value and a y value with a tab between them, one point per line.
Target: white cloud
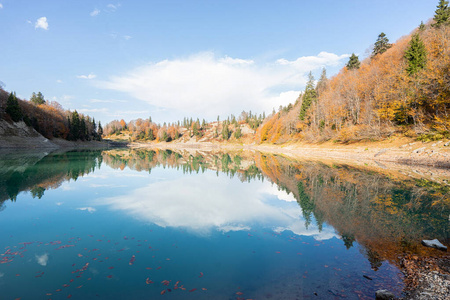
307	63
42	259
107	101
89	209
204	85
90	76
41	23
94	110
59	81
127	37
95	12
1	5
113	7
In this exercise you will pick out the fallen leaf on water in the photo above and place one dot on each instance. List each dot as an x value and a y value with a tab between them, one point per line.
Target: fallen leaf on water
163	292
133	258
201	275
204	289
165	282
109	276
192	290
239	293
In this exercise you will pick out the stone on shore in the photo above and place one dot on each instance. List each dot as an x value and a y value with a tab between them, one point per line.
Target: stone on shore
434	244
384	295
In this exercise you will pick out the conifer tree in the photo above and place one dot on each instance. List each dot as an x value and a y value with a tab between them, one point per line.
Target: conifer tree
83	129
353	62
421	26
195	129
381	45
13	108
442	14
416	55
75	126
100	131
322	84
225	131
238	133
37	99
308	97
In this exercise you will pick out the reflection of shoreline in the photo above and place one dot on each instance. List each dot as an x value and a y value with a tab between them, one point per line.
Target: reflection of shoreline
35	172
427	157
384	210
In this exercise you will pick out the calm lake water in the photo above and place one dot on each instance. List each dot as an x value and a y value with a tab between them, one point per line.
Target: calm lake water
125	224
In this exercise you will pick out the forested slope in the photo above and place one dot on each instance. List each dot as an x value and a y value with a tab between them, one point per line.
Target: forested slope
48	118
404	89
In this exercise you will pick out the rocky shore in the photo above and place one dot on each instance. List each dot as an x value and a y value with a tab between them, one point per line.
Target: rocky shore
426	278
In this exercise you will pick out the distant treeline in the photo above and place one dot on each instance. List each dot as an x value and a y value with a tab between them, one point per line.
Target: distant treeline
146	130
48	117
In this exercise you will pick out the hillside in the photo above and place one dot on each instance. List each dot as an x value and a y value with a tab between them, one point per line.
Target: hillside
376	98
36	123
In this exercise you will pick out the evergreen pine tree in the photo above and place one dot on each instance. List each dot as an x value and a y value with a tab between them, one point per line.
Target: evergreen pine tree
75	128
37	99
99	131
308	97
353	62
322	84
238	133
442	14
381	45
416	55
13	108
195	129
225	131
421	26
83	129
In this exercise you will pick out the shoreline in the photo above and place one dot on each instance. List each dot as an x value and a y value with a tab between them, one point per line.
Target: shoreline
401	151
431	159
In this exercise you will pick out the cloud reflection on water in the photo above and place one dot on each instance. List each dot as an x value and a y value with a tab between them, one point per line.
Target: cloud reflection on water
204	202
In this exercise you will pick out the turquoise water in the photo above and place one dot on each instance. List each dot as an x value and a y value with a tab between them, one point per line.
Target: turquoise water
90	225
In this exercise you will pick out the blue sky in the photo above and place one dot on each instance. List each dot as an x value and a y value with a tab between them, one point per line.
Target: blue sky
170	59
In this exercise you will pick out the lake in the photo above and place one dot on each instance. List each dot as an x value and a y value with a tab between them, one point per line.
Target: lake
146	224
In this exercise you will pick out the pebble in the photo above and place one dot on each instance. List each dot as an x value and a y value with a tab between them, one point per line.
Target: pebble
384	295
434	244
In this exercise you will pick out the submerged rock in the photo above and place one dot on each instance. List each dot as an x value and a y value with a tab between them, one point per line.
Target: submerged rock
434	244
384	295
